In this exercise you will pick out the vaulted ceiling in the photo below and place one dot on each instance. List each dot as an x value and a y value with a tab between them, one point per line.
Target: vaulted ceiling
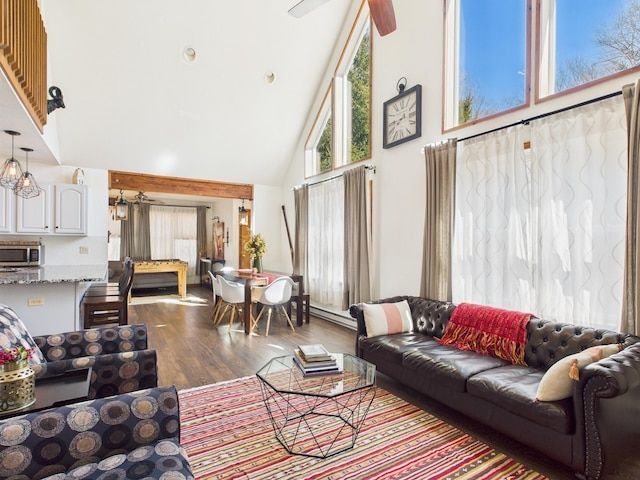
138	100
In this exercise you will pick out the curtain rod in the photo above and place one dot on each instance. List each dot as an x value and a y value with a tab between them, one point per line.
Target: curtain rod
368	166
548	114
180	206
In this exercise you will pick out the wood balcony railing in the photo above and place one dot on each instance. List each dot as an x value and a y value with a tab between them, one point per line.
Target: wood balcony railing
23	55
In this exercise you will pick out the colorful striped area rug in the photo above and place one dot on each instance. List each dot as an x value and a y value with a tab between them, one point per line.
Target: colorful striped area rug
227	433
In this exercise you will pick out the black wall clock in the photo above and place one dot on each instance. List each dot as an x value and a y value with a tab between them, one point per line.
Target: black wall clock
403	117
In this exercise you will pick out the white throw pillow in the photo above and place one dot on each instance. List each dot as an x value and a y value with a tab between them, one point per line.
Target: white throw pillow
557	382
387	318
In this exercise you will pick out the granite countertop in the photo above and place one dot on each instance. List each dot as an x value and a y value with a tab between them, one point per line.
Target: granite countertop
52	274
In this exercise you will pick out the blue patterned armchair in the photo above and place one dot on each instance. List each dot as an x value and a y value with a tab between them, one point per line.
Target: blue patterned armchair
119	356
134	435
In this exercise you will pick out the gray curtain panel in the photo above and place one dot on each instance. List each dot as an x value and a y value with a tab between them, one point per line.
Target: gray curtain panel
201	235
631	290
357	281
142	242
301	202
440	161
126	236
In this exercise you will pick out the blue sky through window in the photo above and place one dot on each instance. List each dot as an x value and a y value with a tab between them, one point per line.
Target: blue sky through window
493	43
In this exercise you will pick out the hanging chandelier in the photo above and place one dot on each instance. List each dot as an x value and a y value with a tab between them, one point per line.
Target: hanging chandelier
11	170
26	186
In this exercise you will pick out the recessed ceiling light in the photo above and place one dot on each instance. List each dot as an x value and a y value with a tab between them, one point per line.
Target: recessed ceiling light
189	54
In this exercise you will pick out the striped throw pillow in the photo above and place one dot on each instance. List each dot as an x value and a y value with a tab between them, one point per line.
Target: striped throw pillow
387	318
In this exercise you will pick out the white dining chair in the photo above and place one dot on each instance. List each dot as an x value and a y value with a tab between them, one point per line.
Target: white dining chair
275	295
232	295
217	298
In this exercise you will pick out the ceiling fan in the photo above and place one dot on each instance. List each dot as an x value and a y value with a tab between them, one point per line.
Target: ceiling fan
141	197
381	12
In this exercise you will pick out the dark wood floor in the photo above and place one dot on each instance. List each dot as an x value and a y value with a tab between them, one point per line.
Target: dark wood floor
193	352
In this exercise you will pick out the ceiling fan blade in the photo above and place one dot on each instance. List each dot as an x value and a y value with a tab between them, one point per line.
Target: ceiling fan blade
303	7
383	16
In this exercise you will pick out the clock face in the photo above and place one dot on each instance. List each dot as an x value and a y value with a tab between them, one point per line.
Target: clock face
402	117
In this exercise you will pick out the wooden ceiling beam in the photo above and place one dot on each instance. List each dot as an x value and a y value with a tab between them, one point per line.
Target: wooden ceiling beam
185	186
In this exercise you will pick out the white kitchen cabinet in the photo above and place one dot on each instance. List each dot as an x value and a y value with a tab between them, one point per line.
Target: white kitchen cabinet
6	210
70	209
59	209
34	214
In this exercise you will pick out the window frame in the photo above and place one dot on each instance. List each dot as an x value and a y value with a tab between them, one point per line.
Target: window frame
333	104
538	62
550	59
323	116
450	70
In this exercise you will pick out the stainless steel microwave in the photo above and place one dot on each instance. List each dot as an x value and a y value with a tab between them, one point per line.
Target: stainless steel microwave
19	255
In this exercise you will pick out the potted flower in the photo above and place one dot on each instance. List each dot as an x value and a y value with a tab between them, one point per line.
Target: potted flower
256	247
17	379
14	358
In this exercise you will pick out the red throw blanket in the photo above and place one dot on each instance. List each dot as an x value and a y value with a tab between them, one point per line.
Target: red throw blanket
487	330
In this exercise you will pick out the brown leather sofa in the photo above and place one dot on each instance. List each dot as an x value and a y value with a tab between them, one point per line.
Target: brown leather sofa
589	432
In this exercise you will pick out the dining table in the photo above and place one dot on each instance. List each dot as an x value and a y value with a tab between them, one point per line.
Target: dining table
252	279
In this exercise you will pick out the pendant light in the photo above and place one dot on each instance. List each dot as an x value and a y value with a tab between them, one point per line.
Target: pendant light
11	170
244	214
26	186
122	209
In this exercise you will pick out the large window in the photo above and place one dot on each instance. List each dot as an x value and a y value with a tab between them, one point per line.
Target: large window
486	58
341	133
488	44
582	41
318	154
174	234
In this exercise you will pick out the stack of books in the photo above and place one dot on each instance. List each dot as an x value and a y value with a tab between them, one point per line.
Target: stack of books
315	360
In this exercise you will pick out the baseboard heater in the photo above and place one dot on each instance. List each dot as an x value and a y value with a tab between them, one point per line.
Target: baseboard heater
340	318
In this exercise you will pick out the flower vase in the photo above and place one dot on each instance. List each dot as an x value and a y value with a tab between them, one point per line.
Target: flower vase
17	386
257	264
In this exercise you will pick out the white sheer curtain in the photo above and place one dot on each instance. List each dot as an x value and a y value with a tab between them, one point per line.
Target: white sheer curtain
174	234
325	245
580	181
491	242
543	230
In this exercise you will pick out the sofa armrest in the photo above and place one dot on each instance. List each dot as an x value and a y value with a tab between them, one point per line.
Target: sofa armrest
58	439
111	374
93	341
606	401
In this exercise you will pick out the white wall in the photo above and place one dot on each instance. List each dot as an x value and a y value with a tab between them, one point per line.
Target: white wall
269	221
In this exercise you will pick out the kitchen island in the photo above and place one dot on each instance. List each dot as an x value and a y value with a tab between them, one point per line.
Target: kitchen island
47	298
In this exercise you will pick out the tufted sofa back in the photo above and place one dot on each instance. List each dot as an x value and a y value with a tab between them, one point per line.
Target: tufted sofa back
547	341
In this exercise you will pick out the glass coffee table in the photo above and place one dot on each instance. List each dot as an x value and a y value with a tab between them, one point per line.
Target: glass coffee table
318	415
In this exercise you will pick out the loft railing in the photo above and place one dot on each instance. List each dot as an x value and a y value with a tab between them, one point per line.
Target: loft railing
23	55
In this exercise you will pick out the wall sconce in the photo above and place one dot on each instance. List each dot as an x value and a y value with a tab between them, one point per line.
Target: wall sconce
122	209
11	170
56	101
26	186
244	214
